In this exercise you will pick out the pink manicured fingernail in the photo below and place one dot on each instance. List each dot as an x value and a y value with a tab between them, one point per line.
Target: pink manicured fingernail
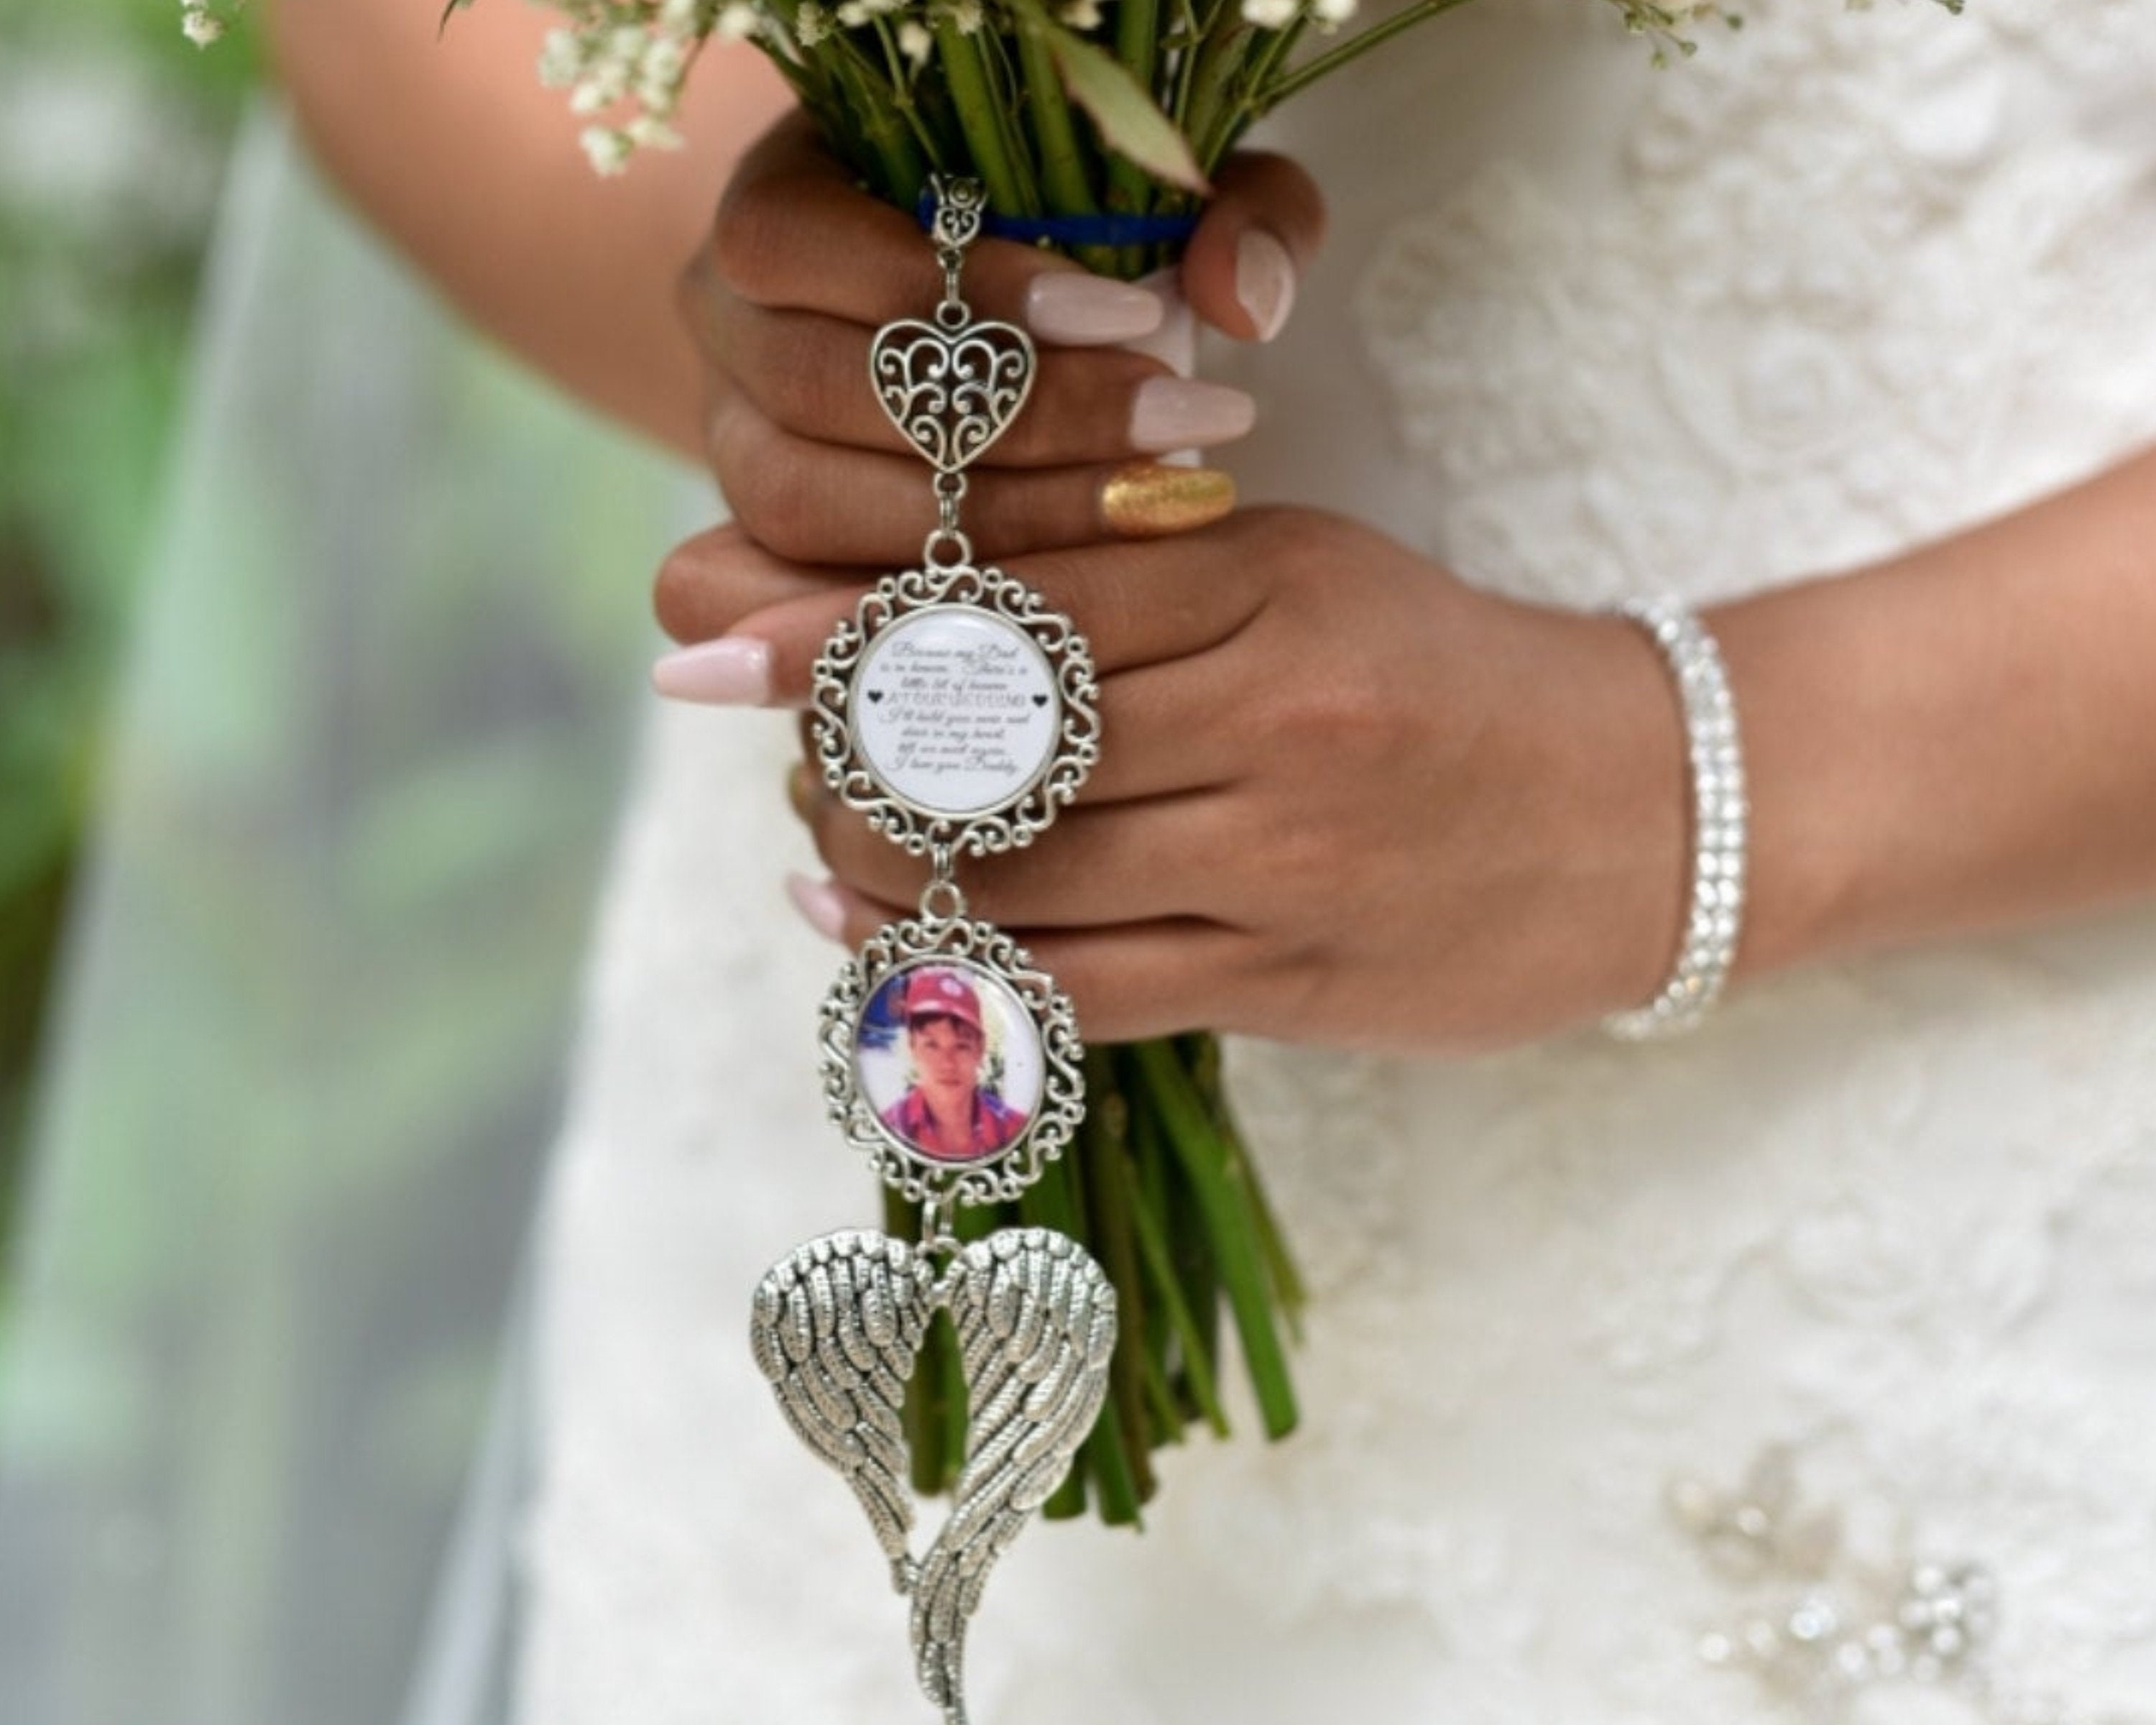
1186	413
721	673
819	904
1070	306
1264	280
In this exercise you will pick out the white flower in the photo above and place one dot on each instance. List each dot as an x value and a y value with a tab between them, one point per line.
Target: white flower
659	79
1332	12
738	22
915	42
965	15
562	60
1082	14
608	148
199	28
648	131
664	61
1271	14
810	25
678	18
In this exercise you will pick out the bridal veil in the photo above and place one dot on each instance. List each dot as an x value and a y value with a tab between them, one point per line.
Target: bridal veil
258	1432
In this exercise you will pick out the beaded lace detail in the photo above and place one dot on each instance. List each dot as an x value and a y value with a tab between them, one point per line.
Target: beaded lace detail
1881	1230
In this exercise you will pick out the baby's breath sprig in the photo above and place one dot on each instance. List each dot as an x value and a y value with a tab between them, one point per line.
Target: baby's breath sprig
634	55
1667	23
202	23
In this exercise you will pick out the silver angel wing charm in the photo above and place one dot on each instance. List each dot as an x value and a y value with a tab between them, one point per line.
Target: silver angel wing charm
835	1327
1036	1323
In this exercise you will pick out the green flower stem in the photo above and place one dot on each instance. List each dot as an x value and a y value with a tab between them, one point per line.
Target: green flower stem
902	99
1012	97
1068	1499
1109	1181
1167	1416
1237	114
1195	1267
1063	175
1137	46
808	89
1195	1355
1201	1054
1130	191
1221	55
1361	43
1223	1191
982	118
892	159
1117	1493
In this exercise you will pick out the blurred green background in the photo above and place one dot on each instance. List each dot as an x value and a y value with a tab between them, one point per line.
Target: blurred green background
113	137
321	634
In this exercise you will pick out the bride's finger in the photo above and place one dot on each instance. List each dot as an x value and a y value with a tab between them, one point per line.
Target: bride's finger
1168	729
1133	862
1138	604
710	582
808	374
1127	983
1263	227
821	503
1165	730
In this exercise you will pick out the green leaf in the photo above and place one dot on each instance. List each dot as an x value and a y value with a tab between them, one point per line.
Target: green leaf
1130	120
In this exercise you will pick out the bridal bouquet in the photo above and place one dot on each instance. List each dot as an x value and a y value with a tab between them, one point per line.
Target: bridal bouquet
1097	123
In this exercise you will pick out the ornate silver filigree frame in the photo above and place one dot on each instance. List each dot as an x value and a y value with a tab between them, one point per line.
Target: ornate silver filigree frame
1012	824
962	943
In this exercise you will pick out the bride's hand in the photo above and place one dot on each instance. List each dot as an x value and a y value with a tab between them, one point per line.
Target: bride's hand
1342	798
801	268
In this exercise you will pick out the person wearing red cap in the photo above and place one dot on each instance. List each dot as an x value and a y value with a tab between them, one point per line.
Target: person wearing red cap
945	1114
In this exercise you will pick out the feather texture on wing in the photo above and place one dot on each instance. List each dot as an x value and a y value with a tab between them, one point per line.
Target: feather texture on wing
1036	1321
835	1327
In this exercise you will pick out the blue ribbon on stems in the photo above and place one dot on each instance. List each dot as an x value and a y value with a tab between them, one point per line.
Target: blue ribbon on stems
1076	230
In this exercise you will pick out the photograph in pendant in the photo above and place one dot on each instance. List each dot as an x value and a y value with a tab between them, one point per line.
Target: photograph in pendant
951	1061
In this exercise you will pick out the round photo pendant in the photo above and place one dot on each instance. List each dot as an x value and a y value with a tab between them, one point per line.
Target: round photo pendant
951	1061
955	709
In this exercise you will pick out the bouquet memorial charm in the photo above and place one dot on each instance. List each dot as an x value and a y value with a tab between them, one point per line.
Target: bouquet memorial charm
959	713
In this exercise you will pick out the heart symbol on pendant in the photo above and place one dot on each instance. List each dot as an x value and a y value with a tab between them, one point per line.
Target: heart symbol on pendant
951	393
837	1326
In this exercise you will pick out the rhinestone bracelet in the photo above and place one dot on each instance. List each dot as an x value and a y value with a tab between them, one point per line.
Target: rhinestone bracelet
1718	823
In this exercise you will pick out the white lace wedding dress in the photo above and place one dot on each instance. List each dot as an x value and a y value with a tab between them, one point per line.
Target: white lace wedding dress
1803	1370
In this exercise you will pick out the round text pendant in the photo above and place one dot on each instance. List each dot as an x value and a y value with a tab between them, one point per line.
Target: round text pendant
956	709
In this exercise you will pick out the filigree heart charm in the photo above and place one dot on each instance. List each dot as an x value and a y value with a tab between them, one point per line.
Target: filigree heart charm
951	388
837	1326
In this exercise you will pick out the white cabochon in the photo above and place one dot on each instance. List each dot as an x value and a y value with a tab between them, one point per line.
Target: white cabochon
955	711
